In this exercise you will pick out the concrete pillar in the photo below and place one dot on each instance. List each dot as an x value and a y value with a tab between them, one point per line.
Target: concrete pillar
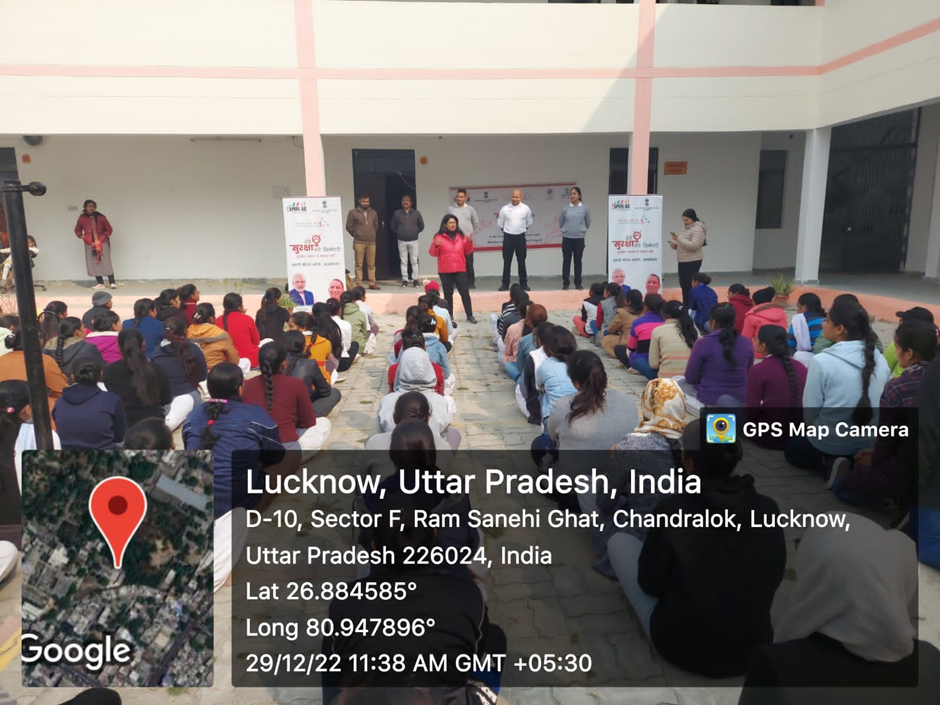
812	205
932	268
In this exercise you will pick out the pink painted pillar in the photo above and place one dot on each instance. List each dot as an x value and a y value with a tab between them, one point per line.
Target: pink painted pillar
643	100
314	170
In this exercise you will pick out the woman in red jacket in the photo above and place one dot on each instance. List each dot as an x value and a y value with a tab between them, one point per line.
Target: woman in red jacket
241	327
451	248
95	230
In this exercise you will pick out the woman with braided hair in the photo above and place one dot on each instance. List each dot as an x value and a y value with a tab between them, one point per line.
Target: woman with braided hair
287	401
143	387
843	385
299	365
775	387
50	318
70	344
185	367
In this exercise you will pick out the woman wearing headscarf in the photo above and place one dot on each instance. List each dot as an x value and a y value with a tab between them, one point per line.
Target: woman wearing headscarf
416	374
94	229
653	446
850	624
688	245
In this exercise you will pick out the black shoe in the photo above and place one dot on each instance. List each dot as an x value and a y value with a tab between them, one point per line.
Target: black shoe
416	283
525	287
503	288
579	287
473	286
564	287
403	283
471	319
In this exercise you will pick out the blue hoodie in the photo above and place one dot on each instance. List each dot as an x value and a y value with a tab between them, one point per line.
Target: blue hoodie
151	329
437	352
833	388
87	417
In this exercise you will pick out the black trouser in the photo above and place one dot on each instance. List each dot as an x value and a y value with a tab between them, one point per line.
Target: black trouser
514	245
471	274
459	279
324	405
99	280
344	363
623	354
571	246
686	271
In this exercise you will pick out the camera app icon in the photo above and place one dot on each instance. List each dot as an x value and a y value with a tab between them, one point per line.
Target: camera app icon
721	428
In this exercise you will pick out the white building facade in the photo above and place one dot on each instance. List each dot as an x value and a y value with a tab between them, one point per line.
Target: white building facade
188	122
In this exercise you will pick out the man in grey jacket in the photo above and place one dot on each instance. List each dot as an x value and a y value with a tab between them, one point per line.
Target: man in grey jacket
406	225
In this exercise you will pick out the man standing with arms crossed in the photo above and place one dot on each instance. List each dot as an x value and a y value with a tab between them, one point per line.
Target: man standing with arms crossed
514	220
406	225
468	222
363	224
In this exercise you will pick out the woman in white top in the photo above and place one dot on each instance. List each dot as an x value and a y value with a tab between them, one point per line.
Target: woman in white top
345	327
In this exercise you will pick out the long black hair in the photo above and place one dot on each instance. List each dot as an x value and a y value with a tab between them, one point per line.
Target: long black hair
615	290
443	230
224	381
14	397
14	341
270	358
142	309
304	320
680	312
271	297
187	291
148	434
327	328
813	304
230	304
654	304
854	319
633	301
105	321
174	330
295	345
562	345
166	298
49	320
67	329
739	290
203	313
586	368
775	338
144	375
723	315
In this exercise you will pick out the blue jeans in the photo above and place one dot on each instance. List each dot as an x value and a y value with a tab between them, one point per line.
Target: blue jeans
642	365
510	368
623	551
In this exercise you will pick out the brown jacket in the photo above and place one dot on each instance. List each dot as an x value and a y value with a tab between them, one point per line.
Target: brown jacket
13	366
690	242
618	331
363	227
214	342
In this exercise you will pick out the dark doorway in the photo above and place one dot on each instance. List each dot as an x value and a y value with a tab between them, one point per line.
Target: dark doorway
619	168
868	194
385	175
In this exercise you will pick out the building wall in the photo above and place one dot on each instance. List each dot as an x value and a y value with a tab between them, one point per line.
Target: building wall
922	198
180	209
721	185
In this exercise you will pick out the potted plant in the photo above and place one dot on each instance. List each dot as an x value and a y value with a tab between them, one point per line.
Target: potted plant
286	302
783	287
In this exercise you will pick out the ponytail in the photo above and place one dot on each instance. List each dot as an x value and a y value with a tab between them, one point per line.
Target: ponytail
270	358
230	304
295	345
49	321
67	328
142	309
586	368
775	339
851	316
271	296
723	315
203	313
680	313
174	331
224	381
143	373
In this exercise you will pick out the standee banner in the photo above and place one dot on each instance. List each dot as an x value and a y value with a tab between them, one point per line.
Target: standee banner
635	242
316	261
545	200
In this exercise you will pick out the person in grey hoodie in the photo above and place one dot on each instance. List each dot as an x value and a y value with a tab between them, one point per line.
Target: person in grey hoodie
574	221
70	345
406	225
843	385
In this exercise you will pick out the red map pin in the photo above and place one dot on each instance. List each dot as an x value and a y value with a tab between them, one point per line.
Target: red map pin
118	507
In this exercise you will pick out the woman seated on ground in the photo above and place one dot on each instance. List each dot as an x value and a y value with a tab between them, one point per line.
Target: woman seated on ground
453	602
775	387
435	350
822	342
49	319
17	433
323	397
189	299
764	313
849	634
145	320
241	327
426	304
671	343
717	369
326	328
586	322
508	359
70	345
348	355
635	354
739	296
614	300
359	296
216	345
703	597
185	367
319	348
106	327
440	308
143	387
271	319
653	446
499	320
592	419
168	306
410	406
87	417
412	313
878	474
843	385
149	434
13	366
416	374
618	331
917	313
806	327
527	392
288	401
551	377
702	298
535	315
354	316
8	324
512	318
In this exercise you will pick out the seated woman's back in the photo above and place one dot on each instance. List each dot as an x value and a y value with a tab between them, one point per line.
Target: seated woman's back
215	343
143	387
285	398
85	415
71	345
180	358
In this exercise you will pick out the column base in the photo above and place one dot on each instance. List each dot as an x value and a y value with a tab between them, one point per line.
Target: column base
806	282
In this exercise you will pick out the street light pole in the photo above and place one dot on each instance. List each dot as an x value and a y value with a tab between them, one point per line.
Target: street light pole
26	304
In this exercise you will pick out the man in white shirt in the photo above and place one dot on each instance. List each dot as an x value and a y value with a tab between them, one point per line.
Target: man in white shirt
514	220
468	222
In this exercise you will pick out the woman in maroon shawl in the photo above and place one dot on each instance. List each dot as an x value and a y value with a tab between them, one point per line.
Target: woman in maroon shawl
95	230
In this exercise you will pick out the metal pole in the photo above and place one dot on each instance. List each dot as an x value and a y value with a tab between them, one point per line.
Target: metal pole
26	305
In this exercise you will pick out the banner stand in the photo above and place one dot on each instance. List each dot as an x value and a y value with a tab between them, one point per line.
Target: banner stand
635	242
316	259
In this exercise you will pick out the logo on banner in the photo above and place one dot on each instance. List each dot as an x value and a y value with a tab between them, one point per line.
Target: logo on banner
626	244
622	205
298	207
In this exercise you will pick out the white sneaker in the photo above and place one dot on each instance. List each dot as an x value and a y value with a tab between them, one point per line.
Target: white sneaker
9	557
98	286
113	285
339	378
840	466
